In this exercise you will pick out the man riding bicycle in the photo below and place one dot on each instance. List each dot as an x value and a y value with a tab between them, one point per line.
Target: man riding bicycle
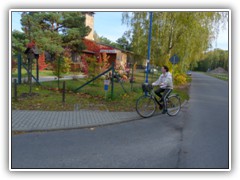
165	84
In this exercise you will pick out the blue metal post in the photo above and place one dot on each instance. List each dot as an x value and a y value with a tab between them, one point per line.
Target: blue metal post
149	44
19	68
112	90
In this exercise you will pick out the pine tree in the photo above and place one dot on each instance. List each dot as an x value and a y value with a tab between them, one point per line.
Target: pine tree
19	41
54	31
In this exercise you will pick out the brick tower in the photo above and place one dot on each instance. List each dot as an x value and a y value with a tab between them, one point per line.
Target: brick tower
90	22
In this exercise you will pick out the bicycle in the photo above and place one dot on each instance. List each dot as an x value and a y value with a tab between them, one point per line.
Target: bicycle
146	104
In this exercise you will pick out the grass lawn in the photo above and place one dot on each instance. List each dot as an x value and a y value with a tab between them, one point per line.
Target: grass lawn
41	73
222	76
92	96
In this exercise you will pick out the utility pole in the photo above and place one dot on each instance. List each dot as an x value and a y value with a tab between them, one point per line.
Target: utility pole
149	44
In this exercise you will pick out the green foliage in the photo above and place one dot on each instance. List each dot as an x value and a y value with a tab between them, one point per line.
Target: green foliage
187	34
61	66
180	79
19	41
50	98
54	31
105	40
213	59
121	43
93	66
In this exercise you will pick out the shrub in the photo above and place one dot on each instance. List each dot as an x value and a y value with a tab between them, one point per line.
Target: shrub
64	66
93	66
180	79
41	62
14	65
84	66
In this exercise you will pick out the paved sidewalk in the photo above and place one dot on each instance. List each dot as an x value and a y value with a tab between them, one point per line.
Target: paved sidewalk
56	120
26	120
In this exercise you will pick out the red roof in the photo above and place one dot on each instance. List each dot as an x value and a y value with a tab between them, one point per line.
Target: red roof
95	47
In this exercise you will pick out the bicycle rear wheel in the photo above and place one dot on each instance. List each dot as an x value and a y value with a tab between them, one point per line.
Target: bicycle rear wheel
173	105
145	106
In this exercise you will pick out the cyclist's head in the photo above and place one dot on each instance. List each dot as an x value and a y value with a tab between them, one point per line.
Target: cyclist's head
165	69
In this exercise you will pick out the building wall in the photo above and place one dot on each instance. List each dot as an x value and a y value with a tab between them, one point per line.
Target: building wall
121	58
90	22
124	59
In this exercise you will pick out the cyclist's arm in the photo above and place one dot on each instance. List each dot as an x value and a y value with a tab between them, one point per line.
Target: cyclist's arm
158	82
168	82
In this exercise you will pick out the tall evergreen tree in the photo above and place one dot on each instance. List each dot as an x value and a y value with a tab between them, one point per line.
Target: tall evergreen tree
19	41
54	31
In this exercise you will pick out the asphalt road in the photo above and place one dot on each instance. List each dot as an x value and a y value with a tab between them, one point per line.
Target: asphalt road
196	138
148	143
206	128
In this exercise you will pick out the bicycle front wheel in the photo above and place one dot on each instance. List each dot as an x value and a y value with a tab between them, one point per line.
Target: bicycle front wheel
173	105
145	106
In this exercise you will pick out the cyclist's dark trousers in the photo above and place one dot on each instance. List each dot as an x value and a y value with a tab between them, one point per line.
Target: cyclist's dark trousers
163	96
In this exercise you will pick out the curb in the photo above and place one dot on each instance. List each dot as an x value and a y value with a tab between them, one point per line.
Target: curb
76	127
83	126
184	103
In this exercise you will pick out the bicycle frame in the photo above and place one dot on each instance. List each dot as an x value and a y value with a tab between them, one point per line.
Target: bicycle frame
171	102
152	94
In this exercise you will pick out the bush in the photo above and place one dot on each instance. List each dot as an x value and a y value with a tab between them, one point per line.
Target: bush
180	79
63	63
41	62
93	66
64	66
14	65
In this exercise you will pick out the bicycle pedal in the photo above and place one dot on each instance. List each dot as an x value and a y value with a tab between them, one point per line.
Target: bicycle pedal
160	106
164	111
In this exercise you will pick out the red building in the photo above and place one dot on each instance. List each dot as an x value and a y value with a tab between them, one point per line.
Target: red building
97	50
94	49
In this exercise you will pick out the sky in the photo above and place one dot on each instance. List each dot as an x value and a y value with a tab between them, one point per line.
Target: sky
109	25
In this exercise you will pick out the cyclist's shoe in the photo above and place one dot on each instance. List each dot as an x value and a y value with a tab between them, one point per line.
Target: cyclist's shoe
160	106
164	111
161	100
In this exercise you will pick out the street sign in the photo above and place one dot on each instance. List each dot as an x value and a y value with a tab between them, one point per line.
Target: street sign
174	59
106	84
105	87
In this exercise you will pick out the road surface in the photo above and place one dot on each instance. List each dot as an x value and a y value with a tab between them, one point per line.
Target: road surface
206	128
196	138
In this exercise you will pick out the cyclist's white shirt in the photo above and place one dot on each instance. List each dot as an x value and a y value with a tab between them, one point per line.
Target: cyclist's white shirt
164	81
